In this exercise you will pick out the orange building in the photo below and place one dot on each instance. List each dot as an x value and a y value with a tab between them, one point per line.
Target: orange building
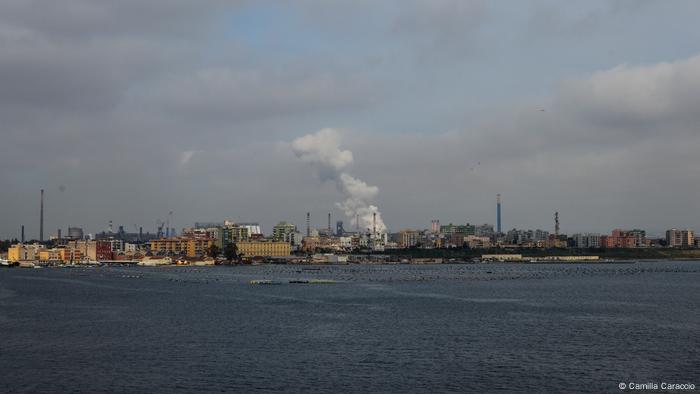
190	247
621	239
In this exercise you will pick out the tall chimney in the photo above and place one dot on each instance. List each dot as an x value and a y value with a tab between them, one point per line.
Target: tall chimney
308	224
329	223
140	233
41	218
498	213
374	225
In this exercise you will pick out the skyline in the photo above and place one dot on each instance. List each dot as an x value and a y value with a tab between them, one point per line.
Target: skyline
112	226
583	109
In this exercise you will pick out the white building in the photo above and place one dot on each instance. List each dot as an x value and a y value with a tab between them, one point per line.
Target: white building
587	240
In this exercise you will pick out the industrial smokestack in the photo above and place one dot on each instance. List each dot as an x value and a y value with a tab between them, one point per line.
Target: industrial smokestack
498	213
308	224
329	223
322	149
140	233
374	225
556	224
41	218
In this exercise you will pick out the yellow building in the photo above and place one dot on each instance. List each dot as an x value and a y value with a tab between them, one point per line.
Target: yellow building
21	252
52	255
175	246
263	249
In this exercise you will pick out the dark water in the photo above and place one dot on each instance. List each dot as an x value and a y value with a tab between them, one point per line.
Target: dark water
452	328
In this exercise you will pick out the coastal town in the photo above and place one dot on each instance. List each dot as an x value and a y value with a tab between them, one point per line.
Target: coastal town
227	242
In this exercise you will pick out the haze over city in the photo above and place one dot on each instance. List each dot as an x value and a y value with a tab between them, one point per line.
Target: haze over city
124	112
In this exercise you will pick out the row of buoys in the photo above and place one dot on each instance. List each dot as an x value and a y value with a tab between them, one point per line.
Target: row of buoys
402	274
293	281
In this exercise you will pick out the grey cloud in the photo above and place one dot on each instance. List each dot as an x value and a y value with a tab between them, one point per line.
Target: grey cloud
446	27
119	102
81	19
569	157
641	96
244	94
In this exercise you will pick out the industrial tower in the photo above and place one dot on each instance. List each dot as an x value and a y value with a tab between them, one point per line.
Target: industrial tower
498	213
41	218
308	224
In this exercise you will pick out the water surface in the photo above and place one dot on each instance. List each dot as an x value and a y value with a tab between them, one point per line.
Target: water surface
434	328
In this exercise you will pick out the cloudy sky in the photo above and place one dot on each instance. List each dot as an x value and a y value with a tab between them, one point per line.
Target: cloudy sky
125	110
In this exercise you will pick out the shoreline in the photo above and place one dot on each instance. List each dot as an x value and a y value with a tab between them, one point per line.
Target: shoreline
36	264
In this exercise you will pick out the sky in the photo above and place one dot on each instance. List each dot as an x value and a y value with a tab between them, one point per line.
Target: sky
127	110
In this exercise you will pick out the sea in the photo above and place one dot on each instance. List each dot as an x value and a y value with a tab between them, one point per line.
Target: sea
459	328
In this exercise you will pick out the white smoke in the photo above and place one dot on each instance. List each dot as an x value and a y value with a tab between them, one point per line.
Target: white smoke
322	149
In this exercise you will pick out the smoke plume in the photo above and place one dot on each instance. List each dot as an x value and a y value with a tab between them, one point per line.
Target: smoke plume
322	149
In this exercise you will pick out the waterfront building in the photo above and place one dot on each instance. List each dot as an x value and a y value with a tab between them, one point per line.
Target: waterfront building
190	247
680	238
409	238
52	255
640	238
622	239
23	252
116	245
541	235
477	242
216	234
247	249
95	250
233	233
283	232
586	240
